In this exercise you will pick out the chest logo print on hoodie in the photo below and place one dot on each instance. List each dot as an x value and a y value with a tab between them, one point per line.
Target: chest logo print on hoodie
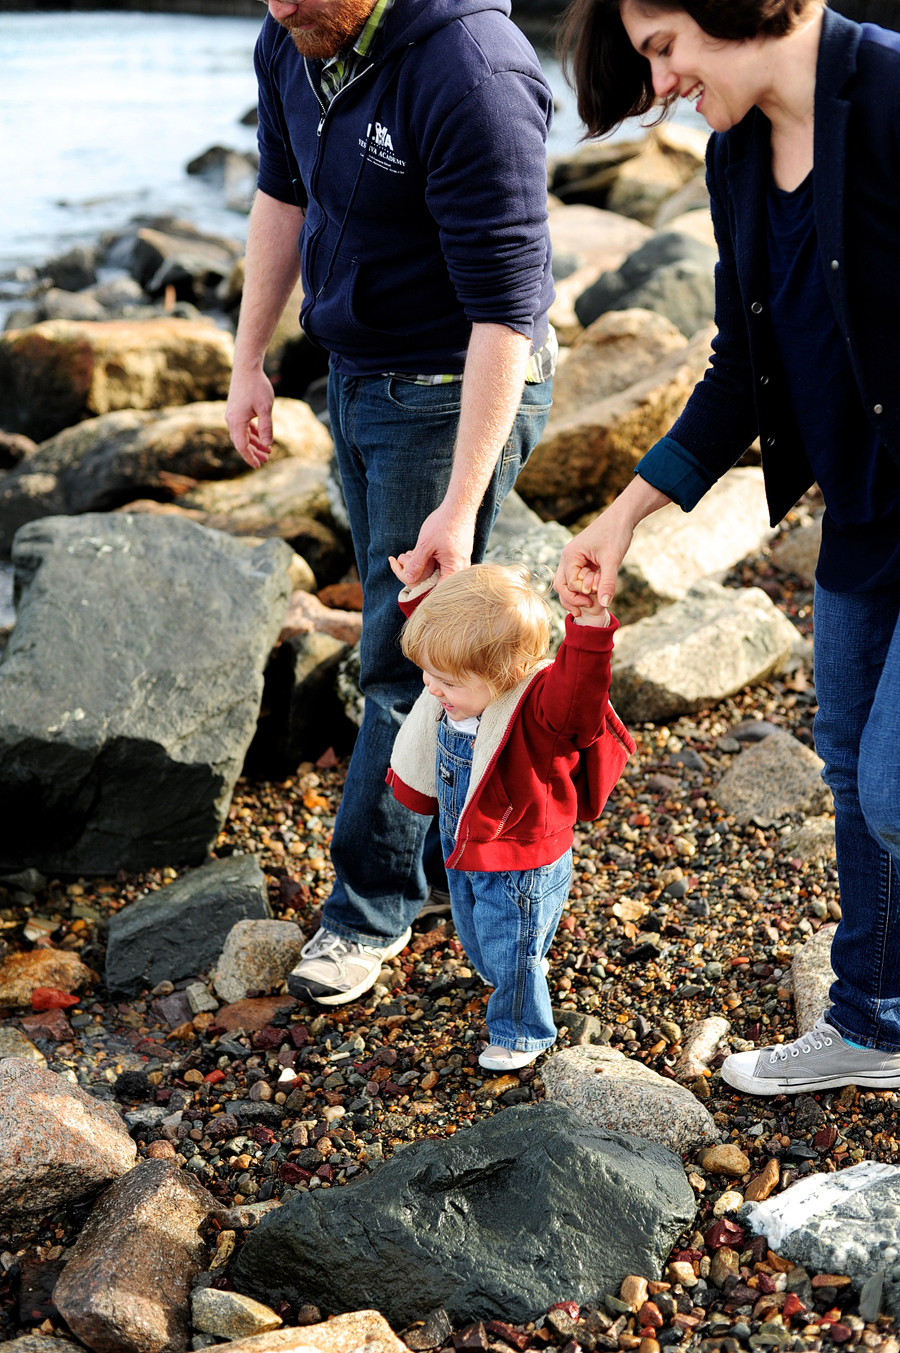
381	149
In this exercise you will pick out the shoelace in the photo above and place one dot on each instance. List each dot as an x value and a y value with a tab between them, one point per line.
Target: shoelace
322	947
808	1042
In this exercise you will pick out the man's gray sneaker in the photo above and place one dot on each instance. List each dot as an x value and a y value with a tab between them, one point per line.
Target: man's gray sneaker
819	1060
334	971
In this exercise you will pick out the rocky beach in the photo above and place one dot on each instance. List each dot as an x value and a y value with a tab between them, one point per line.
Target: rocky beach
190	1157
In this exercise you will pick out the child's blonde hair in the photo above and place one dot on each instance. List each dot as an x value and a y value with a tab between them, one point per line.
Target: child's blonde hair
486	621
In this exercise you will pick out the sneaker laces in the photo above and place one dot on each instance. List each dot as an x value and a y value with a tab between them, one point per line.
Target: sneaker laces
819	1036
324	944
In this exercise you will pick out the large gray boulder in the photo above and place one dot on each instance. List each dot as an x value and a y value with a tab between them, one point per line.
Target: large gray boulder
671	550
106	462
698	651
179	931
129	689
500	1221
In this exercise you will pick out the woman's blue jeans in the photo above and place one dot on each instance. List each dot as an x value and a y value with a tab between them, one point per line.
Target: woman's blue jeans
506	919
394	442
857	731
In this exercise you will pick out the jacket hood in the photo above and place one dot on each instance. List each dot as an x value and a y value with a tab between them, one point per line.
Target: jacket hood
410	21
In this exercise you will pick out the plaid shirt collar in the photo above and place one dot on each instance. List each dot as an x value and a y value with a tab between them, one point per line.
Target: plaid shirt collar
340	69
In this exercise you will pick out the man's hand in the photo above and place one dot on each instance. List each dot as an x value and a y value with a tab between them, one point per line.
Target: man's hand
445	542
248	414
272	267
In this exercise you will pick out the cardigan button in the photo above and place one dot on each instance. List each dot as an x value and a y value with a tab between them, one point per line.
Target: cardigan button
879	408
834	265
770	441
764	380
756	307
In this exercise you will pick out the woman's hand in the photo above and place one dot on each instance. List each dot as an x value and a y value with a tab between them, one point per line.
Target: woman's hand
592	559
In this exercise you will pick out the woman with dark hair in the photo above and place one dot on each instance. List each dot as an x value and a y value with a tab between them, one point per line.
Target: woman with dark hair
803	172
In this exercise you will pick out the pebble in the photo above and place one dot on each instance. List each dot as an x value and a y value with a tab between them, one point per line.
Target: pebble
764	1183
634	1291
725	1159
21	974
729	1201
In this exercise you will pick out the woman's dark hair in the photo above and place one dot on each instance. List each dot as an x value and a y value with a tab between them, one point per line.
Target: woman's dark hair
612	81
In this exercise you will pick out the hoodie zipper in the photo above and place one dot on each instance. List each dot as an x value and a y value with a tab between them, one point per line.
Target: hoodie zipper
317	167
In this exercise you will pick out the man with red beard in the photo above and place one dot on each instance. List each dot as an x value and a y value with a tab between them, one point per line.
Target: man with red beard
402	142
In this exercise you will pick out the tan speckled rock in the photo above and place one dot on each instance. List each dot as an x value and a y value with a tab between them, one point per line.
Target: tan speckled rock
21	973
360	1330
617	1092
57	1144
798	551
812	976
126	1287
257	956
231	1315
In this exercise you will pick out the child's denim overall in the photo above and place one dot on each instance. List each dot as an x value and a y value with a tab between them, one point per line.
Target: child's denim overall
506	919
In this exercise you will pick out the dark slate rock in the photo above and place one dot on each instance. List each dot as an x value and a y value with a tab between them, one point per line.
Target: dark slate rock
73	270
493	1223
129	689
302	712
179	930
253	1111
632	285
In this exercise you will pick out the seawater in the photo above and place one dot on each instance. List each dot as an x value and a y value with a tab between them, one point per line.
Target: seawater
101	111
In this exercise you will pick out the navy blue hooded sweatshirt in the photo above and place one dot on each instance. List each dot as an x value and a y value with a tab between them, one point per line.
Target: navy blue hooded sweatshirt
425	185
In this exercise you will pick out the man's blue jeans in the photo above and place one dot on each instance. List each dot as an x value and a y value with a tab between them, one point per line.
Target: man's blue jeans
394	442
857	730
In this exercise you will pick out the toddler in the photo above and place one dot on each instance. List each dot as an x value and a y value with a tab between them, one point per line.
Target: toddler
510	749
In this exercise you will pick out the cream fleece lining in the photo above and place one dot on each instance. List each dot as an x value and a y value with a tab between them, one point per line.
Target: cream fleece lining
415	747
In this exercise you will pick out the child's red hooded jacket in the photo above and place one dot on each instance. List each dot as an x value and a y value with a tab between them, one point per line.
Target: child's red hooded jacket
547	754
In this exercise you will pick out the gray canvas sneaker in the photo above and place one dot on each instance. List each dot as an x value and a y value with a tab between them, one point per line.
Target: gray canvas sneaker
437	903
819	1060
334	971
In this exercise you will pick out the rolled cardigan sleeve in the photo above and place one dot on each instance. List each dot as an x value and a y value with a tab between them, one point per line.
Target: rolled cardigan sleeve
487	190
671	468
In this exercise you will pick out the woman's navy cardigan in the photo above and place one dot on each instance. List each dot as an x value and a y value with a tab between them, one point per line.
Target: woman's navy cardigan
856	187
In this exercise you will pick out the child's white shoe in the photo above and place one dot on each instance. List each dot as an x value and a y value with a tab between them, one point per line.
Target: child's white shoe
495	1058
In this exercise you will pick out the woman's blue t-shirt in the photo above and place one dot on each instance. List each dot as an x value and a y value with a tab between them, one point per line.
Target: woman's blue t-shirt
859	479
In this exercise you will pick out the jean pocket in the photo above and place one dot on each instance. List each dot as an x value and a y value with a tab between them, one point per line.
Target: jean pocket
425	399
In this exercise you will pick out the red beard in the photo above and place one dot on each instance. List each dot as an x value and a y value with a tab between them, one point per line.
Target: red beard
329	31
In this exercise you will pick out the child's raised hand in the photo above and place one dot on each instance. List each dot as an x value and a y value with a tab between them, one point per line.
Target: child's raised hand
590	612
398	566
